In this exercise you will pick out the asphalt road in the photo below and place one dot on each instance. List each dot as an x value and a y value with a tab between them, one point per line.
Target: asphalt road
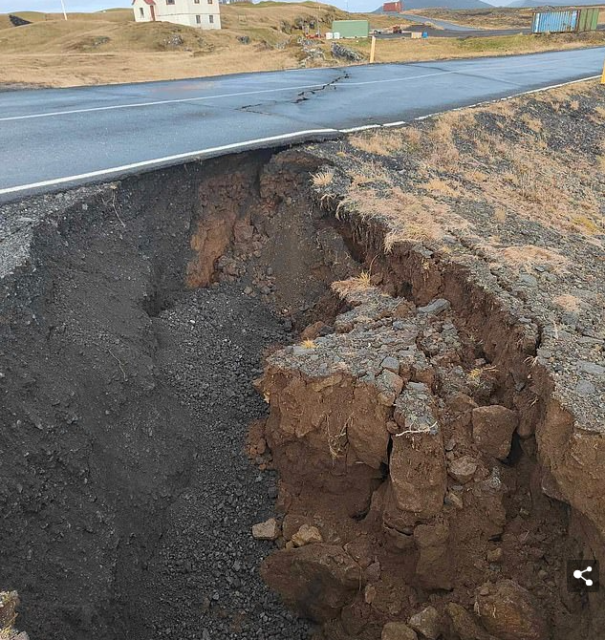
51	139
444	33
450	26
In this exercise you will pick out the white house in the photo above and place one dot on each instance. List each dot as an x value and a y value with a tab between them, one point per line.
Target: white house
203	14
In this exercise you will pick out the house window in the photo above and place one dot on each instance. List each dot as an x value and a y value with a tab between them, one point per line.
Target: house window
211	19
196	1
141	12
169	1
209	1
198	19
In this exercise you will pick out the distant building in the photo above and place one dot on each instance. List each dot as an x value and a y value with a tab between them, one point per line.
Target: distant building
203	14
392	7
234	1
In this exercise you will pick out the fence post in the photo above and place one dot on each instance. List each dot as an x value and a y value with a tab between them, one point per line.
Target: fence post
373	49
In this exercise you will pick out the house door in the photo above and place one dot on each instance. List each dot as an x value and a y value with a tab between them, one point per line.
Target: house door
152	13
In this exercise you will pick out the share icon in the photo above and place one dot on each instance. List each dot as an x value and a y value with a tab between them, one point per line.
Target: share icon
583	575
579	575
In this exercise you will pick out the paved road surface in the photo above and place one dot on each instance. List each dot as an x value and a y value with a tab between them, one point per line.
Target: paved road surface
57	138
444	33
450	26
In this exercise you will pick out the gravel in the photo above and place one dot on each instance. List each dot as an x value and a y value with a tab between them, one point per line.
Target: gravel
203	579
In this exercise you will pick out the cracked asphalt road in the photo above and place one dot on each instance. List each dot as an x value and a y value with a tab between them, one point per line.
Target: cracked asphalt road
51	139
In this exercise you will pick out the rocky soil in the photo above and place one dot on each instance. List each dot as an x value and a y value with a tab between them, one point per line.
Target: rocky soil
443	436
393	441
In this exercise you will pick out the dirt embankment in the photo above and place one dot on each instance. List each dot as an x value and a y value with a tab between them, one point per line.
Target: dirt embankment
438	443
432	440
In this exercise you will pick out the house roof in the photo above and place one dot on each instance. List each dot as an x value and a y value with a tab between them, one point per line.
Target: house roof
149	2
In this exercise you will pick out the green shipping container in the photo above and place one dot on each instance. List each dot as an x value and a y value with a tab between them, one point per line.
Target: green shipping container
351	28
588	19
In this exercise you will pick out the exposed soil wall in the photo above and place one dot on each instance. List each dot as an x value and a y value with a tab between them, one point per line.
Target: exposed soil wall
422	436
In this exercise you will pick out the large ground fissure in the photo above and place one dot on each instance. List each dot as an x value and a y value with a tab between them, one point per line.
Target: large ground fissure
397	435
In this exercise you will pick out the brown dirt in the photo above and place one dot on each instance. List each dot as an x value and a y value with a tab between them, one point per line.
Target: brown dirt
454	456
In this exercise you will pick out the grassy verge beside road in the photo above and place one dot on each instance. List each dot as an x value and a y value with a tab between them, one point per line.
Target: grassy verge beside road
445	48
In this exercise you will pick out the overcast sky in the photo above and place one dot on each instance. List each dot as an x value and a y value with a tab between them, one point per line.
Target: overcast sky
51	6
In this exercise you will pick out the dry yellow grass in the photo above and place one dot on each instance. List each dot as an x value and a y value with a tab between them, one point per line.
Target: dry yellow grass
515	176
322	178
345	288
532	123
406	50
528	256
108	47
567	302
409	217
497	18
383	144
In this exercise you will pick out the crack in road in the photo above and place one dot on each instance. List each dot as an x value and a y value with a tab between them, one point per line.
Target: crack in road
303	96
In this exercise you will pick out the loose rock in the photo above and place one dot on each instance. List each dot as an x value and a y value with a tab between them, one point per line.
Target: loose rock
510	612
426	622
306	535
493	428
463	469
268	530
397	631
317	580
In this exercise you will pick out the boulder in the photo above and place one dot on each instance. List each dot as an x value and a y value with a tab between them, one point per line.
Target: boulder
435	307
417	474
493	429
316	580
398	631
426	623
464	623
509	612
417	464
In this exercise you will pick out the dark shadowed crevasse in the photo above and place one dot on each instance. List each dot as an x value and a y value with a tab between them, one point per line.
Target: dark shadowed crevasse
134	320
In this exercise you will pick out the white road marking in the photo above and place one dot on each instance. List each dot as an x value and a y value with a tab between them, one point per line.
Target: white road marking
191	155
136	105
364	127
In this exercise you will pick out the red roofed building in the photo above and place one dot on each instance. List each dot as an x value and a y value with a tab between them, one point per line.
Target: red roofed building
203	14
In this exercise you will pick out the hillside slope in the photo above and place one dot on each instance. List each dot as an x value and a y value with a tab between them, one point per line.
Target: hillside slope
109	47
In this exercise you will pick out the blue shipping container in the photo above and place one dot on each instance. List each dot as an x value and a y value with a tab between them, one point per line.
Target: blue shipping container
555	21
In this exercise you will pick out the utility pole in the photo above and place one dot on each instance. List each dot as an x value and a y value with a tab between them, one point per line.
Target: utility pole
318	10
63	7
